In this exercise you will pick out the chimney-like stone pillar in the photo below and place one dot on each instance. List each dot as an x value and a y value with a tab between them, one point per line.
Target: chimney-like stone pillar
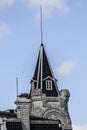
3	123
23	110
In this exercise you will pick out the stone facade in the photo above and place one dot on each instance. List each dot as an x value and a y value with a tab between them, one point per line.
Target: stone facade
55	108
23	111
2	123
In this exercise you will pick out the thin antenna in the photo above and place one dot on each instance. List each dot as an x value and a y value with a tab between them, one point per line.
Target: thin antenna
41	25
17	87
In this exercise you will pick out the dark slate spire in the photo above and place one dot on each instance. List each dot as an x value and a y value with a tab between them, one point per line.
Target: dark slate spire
43	76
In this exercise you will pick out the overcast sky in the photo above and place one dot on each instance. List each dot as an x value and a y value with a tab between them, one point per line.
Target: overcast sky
65	40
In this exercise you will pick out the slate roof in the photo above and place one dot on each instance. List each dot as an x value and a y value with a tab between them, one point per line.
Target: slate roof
7	114
43	71
12	122
47	71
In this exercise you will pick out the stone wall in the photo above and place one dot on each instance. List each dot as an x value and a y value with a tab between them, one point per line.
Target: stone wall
55	108
23	107
3	123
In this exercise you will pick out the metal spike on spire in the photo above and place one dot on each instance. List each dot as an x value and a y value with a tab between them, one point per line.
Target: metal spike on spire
41	24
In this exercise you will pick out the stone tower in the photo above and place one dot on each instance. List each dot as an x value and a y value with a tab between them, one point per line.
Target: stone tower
45	106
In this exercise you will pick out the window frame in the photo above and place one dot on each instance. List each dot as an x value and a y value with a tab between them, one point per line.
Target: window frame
49	85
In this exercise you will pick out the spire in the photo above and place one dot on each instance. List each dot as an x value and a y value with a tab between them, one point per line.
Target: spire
43	78
41	25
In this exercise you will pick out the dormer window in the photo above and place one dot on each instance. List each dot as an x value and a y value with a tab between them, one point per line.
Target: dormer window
48	85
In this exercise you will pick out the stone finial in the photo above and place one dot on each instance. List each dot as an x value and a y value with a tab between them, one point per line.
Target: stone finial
64	93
